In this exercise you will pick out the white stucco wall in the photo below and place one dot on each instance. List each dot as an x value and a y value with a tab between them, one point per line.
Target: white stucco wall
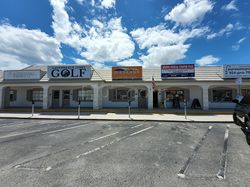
196	93
21	98
215	105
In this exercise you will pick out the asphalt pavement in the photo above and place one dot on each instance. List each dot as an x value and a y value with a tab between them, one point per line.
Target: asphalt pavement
121	153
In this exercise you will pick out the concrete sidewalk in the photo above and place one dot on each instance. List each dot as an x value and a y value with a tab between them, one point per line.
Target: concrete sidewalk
118	116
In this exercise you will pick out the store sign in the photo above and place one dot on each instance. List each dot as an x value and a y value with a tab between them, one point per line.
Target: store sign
236	71
69	72
22	75
178	70
127	73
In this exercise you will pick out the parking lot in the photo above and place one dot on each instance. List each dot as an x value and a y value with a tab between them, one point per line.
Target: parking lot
122	153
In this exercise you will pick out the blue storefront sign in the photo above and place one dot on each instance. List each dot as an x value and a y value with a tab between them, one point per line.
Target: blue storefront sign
236	71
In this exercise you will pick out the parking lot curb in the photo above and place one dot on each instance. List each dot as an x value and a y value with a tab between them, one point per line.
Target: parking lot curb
103	119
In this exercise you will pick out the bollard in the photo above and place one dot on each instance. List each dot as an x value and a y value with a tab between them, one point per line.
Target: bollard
129	103
79	108
32	108
185	108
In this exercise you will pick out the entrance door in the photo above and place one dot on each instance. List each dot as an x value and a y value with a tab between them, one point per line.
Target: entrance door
155	99
55	98
66	98
142	99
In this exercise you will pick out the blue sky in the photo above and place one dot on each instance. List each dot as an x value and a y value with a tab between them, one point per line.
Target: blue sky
107	33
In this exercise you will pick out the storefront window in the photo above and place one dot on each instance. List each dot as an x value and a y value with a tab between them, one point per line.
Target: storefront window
171	94
12	95
245	92
121	94
37	95
222	95
86	94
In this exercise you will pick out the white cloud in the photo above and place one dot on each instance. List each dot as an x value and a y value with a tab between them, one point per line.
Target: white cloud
225	31
207	60
65	31
109	42
236	47
130	62
80	61
164	55
158	35
108	3
20	47
161	36
189	12
80	1
99	41
242	40
230	6
164	46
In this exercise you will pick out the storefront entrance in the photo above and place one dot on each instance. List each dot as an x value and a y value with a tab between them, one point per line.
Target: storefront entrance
155	99
142	99
66	98
55	98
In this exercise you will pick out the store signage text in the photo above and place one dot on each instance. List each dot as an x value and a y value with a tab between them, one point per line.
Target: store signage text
127	73
22	75
69	72
236	71
178	70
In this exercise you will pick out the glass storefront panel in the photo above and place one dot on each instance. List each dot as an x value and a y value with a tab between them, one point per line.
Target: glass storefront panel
171	94
245	92
222	95
121	95
86	94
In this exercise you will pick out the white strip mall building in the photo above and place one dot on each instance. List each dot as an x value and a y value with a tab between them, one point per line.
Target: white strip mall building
97	88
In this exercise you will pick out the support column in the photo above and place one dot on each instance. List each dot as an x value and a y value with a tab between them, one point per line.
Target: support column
150	98
96	96
1	97
100	97
205	97
45	97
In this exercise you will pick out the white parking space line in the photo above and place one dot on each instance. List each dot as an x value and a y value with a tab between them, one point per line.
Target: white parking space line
86	153
112	142
182	172
222	170
137	126
65	129
14	124
138	132
11	135
108	135
18	134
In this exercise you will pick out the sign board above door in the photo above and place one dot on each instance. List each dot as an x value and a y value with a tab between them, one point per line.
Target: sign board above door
69	72
236	71
127	73
22	75
177	70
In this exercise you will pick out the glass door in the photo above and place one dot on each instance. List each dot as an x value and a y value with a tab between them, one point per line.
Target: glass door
55	98
66	98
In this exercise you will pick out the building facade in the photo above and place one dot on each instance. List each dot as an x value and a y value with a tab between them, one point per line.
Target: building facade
99	89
